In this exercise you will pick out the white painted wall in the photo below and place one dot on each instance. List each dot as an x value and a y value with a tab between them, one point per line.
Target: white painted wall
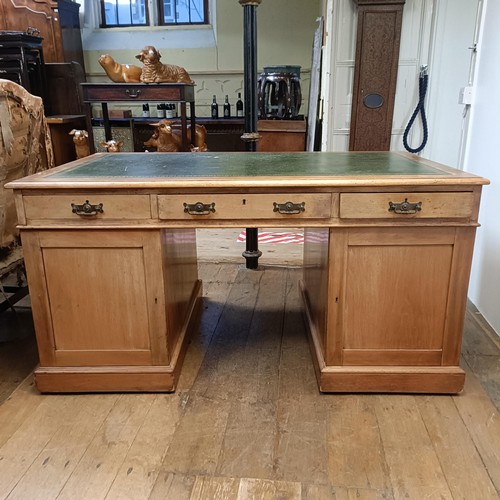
449	62
482	157
438	33
212	54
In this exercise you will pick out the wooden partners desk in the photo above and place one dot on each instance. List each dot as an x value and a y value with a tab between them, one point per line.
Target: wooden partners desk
110	250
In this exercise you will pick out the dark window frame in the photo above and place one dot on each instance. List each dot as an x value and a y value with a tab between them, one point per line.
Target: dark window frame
161	16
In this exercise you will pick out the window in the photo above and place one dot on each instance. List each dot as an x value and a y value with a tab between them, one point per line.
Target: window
117	13
183	12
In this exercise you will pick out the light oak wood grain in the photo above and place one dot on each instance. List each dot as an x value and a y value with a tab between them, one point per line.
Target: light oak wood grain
414	467
16	411
433	205
61	455
355	450
215	487
382	290
268	490
482	419
105	454
219	435
139	471
246	206
457	453
116	206
32	437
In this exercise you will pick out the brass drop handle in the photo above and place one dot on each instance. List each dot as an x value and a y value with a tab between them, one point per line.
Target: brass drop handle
87	209
289	208
199	208
133	94
405	207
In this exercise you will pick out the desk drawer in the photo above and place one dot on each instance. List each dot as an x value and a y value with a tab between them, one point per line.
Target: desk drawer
116	207
246	206
139	92
429	205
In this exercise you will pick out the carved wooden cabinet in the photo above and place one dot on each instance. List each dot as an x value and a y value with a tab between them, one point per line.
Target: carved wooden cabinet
375	73
58	24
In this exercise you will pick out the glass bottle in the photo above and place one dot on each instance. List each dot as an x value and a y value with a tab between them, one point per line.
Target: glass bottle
239	106
227	107
169	111
214	108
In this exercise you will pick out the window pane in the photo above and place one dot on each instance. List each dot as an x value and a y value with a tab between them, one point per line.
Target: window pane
125	12
110	13
138	11
183	11
197	11
168	11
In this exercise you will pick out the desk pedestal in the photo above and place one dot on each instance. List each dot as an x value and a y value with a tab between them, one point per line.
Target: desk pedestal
112	309
385	308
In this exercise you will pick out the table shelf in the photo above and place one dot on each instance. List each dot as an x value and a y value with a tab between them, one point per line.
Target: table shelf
104	93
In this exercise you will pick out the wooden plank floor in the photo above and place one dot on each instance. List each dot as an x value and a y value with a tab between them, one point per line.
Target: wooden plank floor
248	422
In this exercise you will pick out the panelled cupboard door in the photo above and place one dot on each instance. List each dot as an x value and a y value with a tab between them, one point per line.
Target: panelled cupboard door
404	295
99	297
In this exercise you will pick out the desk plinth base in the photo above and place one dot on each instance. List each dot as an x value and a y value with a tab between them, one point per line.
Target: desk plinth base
383	379
92	379
124	378
395	379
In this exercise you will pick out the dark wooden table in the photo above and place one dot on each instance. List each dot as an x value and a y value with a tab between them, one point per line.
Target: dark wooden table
104	93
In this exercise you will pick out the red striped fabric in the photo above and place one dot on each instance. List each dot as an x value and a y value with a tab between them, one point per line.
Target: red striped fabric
271	237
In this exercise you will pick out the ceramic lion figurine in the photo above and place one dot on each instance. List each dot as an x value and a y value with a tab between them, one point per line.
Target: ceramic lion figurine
154	71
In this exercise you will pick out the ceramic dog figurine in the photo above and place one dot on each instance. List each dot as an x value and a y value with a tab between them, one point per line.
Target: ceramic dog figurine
112	146
154	71
120	73
167	137
81	141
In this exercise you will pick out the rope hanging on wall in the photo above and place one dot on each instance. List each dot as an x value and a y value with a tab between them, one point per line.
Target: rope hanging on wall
423	82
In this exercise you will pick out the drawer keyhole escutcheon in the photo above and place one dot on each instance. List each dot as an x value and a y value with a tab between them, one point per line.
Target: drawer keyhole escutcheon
405	207
87	209
199	208
289	208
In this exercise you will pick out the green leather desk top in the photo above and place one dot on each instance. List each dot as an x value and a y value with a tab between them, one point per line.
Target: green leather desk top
207	170
150	165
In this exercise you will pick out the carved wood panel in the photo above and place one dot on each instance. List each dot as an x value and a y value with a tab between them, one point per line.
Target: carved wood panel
375	74
19	15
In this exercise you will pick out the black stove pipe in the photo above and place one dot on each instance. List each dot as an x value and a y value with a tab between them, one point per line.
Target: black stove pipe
251	136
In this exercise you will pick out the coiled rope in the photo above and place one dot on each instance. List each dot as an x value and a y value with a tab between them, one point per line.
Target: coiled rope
422	91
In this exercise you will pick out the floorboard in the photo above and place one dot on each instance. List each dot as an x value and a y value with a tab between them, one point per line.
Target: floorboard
248	422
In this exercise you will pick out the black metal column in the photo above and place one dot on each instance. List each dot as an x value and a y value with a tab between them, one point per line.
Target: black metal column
251	136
